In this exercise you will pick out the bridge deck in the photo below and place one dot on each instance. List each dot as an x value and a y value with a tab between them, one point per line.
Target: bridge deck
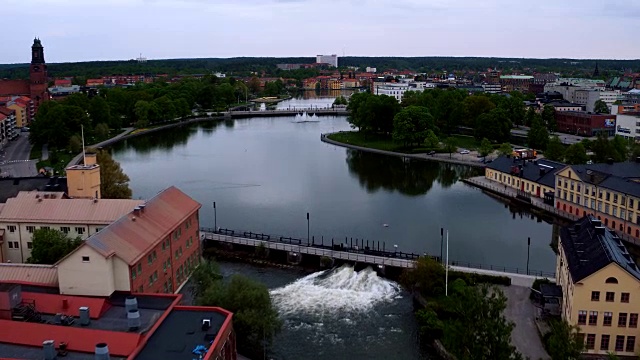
302	249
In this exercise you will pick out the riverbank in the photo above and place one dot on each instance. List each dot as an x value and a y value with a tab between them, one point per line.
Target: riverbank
458	159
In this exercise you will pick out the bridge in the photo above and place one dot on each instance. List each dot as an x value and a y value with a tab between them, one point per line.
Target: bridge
287	112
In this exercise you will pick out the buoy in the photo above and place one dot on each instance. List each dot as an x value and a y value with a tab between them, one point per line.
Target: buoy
385	225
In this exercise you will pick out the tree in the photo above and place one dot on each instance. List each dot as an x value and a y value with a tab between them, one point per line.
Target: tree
549	117
600	107
99	111
411	124
505	149
102	131
485	148
75	144
477	105
204	277
450	145
563	341
576	154
494	125
555	149
51	245
431	141
255	320
254	85
114	183
538	136
529	116
141	111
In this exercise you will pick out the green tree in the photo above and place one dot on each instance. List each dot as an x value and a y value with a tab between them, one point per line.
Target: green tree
114	183
555	149
255	320
182	107
254	85
494	125
538	136
49	246
411	125
141	110
102	131
549	118
75	144
576	154
204	277
600	107
505	149
99	111
529	116
563	341
431	141
485	148
450	145
477	105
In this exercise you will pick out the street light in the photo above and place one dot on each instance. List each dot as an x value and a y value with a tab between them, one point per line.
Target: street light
528	247
308	229
215	217
441	243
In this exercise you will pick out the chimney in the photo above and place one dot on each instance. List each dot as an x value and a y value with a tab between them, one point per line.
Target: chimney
84	316
609	161
542	171
136	210
133	320
142	206
90	159
65	304
600	230
131	303
596	223
576	227
102	351
49	349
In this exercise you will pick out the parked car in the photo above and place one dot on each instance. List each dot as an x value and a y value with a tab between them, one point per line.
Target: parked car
431	153
464	151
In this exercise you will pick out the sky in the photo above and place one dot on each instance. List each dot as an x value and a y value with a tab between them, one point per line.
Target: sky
86	30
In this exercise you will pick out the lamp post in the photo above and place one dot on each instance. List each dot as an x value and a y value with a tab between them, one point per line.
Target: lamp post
446	270
215	217
441	243
308	229
528	247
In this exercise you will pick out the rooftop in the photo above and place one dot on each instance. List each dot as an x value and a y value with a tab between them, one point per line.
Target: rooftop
589	247
46	275
541	171
622	177
10	187
44	209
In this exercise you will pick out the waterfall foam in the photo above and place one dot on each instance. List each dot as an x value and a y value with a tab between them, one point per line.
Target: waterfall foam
337	290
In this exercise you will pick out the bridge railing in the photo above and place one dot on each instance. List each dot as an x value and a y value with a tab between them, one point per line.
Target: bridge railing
505	269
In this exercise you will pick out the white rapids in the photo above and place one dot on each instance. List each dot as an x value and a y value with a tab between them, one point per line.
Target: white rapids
332	291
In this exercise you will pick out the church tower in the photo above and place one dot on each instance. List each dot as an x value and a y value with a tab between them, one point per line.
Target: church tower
38	81
596	72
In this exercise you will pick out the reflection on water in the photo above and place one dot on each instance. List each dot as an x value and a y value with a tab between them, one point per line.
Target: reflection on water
407	176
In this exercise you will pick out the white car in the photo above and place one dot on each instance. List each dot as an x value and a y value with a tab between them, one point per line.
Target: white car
464	152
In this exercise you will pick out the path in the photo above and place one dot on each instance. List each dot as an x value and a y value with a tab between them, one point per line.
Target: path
470	159
14	158
104	143
521	311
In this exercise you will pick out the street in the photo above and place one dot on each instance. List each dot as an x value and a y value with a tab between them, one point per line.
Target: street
565	138
522	312
14	158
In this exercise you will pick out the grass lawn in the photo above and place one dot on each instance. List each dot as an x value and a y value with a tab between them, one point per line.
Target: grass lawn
374	141
467	142
61	159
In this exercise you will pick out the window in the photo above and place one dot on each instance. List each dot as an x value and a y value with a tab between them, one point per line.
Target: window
85	259
45	227
578	200
608	197
559	182
624	297
586	190
98	229
615	198
150	280
11	228
593	318
599	194
29	245
614	211
155	255
595	296
578	188
619	343
149	259
573	184
607	318
582	317
31	229
622	320
139	268
600	206
606	208
591	341
141	288
610	296
631	344
164	266
65	229
593	204
631	203
611	280
623	214
604	342
133	274
633	320
80	230
177	255
13	245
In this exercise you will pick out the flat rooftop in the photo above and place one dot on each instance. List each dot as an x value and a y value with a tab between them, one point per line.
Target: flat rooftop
180	333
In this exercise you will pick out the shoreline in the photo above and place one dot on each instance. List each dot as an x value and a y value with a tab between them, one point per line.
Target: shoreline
325	138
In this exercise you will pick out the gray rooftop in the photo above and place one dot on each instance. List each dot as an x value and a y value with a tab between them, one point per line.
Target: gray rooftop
621	177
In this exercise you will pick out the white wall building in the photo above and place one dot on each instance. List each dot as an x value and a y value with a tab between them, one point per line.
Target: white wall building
29	211
492	88
397	90
371	70
327	59
588	97
627	126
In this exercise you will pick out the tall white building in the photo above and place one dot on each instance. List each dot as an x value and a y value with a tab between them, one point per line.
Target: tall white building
397	90
327	59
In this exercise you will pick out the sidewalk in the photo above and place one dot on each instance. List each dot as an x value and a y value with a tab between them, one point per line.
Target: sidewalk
77	158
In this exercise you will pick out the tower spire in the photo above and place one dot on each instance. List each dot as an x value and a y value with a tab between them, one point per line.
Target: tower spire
596	72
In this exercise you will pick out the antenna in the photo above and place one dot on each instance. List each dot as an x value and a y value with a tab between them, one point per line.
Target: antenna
84	155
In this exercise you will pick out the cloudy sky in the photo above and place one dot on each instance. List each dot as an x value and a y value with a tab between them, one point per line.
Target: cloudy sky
81	30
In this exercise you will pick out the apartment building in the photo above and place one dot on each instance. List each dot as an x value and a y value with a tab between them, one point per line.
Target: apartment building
610	192
600	288
585	123
150	249
532	177
627	120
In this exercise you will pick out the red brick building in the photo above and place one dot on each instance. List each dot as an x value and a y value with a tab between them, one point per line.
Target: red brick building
36	87
584	123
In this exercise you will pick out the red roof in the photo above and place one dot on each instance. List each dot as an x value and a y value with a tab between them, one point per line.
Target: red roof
62	82
78	339
46	275
2	116
7	111
14	87
130	237
54	303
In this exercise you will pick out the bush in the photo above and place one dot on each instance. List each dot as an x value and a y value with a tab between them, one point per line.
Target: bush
473	279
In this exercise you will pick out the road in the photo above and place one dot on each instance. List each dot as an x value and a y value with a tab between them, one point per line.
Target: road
522	312
14	158
565	138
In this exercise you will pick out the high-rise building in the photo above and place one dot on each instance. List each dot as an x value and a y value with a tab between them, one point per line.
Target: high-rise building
36	86
327	59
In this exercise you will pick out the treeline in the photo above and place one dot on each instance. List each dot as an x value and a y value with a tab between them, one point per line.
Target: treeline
59	123
421	115
244	66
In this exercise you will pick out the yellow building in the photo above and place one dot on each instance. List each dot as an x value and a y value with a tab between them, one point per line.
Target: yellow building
610	192
533	177
21	114
600	287
83	181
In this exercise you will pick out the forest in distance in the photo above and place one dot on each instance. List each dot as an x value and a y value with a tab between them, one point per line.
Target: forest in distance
244	66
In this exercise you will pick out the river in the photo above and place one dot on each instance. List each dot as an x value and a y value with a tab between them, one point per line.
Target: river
265	174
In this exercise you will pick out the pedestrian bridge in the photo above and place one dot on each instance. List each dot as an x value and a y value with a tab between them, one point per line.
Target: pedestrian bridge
287	112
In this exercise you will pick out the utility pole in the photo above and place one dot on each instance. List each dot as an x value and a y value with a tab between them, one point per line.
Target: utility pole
441	243
446	270
528	247
215	217
308	229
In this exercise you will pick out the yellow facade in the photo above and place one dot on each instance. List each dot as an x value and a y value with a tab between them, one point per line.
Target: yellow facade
21	114
609	283
83	181
517	183
618	211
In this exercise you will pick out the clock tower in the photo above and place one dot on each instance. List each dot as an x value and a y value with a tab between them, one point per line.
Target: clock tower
38	74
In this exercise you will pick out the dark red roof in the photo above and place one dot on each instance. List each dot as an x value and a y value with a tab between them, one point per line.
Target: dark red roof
54	303
7	111
14	87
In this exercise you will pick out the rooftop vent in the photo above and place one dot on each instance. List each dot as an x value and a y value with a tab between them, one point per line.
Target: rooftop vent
133	320
131	303
102	351
609	161
206	324
576	227
600	230
49	349
142	206
136	210
84	316
95	200
638	159
596	222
